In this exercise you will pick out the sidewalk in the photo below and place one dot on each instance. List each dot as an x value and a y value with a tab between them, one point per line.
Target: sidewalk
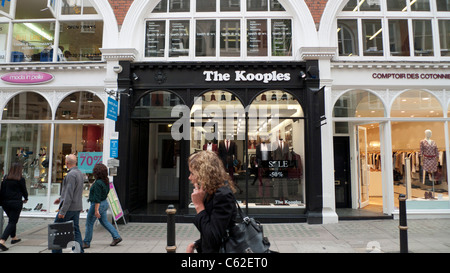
363	236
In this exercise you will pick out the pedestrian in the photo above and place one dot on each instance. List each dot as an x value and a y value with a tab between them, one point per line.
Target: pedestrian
99	206
70	202
214	201
13	194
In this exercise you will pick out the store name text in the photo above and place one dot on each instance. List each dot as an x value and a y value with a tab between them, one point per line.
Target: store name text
243	76
411	76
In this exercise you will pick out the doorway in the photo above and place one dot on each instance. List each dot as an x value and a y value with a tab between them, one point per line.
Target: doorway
342	178
368	167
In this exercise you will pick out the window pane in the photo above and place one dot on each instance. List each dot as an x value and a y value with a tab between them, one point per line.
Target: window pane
256	5
396	5
86	141
372	38
179	5
230	38
416	104
443	5
28	144
5	7
230	5
27	106
205	42
32	9
373	5
281	37
161	6
3	40
179	38
348	38
81	105
358	104
32	42
351	5
420	5
257	37
155	38
444	36
88	8
206	5
80	41
399	38
423	38
71	7
156	104
276	6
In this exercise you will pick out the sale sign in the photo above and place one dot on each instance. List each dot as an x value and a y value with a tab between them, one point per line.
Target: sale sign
87	160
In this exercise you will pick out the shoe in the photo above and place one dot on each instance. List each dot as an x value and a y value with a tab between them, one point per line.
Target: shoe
15	241
86	245
3	247
116	241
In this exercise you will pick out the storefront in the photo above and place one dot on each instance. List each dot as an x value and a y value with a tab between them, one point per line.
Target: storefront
52	101
269	113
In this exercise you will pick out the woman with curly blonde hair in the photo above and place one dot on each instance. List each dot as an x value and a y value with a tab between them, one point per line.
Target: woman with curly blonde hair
213	199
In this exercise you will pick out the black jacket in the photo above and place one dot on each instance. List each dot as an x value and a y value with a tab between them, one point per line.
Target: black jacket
219	214
13	190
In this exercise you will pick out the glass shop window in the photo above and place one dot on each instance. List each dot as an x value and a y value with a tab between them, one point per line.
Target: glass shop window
80	41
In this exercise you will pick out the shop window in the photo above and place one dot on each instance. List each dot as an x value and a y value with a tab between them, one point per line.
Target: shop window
416	103
256	37
28	144
157	104
80	41
179	38
419	163
82	105
86	142
155	38
33	42
205	42
281	37
358	103
27	106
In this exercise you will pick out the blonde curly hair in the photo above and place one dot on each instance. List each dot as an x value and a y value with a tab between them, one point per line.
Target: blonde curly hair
210	170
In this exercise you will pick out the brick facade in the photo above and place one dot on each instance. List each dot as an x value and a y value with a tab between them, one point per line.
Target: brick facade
316	7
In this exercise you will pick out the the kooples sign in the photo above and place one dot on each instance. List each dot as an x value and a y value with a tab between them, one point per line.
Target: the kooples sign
244	76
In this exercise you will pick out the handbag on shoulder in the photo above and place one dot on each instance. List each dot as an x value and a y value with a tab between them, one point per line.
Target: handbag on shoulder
245	237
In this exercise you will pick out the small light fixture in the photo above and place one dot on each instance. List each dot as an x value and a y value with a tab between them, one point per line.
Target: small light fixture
302	74
135	77
73	99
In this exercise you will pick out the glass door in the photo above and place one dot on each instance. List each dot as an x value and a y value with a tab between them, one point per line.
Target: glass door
363	166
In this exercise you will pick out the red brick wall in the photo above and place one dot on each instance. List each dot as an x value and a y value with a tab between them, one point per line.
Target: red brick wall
120	8
316	7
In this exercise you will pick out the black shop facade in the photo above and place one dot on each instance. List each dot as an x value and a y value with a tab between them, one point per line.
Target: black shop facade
263	119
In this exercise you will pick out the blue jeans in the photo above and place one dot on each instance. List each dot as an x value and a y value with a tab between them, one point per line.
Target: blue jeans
90	220
75	217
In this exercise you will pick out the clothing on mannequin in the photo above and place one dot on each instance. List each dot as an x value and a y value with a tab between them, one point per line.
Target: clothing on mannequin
209	146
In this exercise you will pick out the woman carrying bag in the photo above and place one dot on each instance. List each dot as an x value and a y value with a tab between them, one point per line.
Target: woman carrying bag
99	206
13	194
213	199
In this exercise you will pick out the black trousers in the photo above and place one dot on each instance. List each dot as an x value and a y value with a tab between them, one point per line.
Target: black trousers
12	209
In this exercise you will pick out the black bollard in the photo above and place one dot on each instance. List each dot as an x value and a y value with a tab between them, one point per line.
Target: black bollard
171	246
403	227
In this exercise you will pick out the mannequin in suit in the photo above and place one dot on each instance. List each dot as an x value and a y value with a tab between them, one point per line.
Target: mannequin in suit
263	154
228	152
281	150
209	146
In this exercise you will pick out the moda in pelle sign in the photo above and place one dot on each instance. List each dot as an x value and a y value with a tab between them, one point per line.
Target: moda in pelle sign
27	77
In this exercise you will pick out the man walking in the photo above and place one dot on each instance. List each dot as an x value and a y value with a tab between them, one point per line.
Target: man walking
70	200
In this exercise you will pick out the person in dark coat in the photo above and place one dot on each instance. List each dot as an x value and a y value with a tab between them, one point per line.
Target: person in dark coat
214	201
13	194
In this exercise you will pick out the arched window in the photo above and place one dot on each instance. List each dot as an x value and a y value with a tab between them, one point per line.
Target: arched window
358	103
27	106
416	103
156	104
81	105
188	29
73	27
398	28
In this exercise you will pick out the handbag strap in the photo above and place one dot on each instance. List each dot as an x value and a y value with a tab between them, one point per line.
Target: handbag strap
244	217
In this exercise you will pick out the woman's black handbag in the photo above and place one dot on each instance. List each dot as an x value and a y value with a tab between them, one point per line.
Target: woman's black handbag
245	237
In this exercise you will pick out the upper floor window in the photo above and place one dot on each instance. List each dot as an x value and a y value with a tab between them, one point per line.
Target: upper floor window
186	29
408	29
49	31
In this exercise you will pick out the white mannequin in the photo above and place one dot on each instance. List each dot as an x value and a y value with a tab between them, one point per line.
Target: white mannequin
428	134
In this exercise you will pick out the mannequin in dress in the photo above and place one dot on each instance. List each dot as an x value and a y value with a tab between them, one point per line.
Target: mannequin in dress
429	153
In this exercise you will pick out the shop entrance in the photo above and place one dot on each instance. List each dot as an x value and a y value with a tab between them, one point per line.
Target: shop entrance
368	168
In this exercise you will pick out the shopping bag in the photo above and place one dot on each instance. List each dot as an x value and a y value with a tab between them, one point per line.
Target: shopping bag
60	235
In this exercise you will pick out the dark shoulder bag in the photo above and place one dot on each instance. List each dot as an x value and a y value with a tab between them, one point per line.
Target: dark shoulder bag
245	237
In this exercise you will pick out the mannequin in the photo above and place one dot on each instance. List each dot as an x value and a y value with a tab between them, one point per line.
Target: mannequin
429	153
209	146
228	153
262	154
